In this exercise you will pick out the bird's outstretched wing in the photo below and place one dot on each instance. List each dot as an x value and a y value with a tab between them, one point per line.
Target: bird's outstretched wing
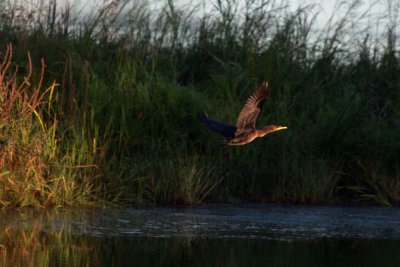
252	108
226	130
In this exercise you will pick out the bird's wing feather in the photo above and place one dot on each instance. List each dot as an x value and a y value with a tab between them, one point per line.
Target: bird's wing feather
252	108
226	130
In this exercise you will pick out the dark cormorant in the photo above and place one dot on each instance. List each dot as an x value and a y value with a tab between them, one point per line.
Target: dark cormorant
245	130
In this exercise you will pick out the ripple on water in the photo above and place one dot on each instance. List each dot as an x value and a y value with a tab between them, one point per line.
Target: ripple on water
263	221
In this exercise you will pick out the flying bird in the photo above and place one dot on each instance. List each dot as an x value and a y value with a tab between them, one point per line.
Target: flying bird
245	130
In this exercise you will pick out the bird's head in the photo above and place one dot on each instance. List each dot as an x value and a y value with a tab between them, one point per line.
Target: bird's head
271	128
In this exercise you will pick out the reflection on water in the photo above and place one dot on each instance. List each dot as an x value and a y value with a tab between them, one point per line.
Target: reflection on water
211	235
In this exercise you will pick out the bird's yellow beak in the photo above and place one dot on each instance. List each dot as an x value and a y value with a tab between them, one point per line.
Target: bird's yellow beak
280	128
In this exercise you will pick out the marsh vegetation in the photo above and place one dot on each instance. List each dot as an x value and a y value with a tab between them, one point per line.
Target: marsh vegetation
100	108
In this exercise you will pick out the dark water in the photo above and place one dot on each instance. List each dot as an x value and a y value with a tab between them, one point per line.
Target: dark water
209	235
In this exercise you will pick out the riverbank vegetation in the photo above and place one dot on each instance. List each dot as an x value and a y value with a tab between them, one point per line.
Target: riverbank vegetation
99	108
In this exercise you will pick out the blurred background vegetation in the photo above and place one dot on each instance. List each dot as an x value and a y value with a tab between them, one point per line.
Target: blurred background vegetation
99	108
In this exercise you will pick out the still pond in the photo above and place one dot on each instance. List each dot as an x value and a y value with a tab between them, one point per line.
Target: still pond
205	235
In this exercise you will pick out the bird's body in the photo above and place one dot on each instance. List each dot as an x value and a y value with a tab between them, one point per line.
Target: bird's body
245	130
244	137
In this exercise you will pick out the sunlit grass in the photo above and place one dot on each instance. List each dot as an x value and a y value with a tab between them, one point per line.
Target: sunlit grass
37	167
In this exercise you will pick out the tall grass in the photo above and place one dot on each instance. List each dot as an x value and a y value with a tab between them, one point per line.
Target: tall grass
37	166
121	126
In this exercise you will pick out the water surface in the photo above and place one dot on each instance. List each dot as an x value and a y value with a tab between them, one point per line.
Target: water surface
207	235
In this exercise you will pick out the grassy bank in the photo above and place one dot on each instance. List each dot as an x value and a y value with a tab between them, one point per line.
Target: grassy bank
103	108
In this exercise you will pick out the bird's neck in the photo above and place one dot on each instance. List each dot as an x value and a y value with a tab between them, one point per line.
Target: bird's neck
260	133
264	131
